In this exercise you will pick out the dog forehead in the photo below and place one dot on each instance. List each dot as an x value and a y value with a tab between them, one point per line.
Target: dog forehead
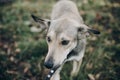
64	22
63	26
67	34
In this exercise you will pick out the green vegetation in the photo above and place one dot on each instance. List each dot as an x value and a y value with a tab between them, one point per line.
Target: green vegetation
22	52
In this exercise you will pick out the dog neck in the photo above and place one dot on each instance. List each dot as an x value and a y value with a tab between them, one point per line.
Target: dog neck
79	47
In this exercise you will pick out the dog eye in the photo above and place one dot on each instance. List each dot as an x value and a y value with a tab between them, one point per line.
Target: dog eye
65	42
48	39
80	29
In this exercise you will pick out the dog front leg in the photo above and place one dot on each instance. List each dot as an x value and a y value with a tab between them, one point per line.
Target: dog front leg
76	68
56	75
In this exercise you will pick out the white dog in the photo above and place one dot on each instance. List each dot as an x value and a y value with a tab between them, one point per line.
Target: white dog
66	38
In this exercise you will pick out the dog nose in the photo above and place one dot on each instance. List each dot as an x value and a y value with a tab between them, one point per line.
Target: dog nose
49	64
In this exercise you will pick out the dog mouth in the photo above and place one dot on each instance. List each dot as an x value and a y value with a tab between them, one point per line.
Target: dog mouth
52	71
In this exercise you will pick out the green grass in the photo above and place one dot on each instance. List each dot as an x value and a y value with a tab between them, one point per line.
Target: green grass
22	52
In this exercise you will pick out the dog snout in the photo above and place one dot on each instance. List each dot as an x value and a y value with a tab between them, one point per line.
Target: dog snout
49	63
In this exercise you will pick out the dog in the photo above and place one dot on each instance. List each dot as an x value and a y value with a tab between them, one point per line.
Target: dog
66	37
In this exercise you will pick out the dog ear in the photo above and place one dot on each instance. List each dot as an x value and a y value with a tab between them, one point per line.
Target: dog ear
44	23
85	28
94	31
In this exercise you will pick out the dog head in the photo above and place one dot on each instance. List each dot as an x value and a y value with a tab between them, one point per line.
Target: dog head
62	36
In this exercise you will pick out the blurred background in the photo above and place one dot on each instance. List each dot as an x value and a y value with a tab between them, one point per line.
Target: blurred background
22	50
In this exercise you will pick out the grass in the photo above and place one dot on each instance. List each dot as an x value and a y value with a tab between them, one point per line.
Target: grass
22	52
